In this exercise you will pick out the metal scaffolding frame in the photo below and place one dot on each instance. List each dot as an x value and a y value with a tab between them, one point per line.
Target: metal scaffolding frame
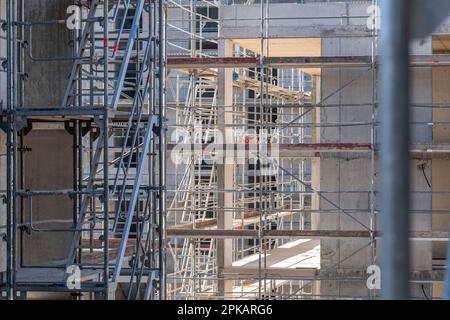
287	102
268	213
199	230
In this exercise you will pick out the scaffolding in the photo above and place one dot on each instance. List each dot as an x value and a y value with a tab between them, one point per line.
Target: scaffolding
278	100
210	142
273	213
114	108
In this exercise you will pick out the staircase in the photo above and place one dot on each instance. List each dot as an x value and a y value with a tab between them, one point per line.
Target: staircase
122	82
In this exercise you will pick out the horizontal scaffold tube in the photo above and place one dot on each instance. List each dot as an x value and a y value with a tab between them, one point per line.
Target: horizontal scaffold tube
309	234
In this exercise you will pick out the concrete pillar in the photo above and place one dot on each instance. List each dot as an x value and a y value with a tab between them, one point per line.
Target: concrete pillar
341	174
225	168
315	167
347	172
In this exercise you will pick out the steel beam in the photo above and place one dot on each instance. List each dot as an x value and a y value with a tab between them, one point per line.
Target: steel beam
297	62
297	234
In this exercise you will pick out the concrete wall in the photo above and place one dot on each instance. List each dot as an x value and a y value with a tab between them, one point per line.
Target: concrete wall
48	166
349	173
47	80
441	167
242	21
49	163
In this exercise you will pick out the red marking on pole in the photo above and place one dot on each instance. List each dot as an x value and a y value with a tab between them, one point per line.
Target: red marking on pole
105	43
116	48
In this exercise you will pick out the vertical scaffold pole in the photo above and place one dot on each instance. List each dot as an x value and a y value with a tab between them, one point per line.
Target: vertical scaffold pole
11	175
394	133
162	150
373	218
105	152
261	125
9	196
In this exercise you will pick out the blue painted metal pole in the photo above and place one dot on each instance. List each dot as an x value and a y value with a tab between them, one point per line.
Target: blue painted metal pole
9	192
133	199
394	140
105	153
127	54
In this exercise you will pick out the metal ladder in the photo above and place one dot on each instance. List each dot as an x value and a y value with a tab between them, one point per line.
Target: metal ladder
196	261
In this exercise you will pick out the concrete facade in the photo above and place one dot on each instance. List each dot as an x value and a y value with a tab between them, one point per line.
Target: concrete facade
225	169
293	20
349	174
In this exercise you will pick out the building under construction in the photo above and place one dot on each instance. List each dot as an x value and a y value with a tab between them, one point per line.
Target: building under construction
224	149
